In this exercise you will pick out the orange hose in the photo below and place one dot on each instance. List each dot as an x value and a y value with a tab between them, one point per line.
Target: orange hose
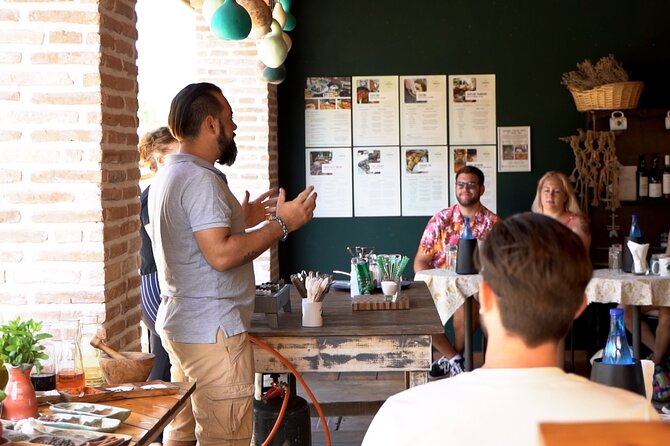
284	361
280	417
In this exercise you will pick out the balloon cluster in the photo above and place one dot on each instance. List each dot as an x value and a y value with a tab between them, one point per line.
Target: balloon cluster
241	19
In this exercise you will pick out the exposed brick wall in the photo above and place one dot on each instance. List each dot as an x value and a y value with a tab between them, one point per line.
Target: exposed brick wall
68	175
68	160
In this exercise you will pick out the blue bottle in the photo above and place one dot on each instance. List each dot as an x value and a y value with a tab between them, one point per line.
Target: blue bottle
617	350
467	231
635	231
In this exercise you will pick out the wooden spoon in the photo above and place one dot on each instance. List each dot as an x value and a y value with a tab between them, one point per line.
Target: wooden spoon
97	343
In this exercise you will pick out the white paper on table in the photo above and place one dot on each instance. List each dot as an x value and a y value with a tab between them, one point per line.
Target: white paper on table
639	253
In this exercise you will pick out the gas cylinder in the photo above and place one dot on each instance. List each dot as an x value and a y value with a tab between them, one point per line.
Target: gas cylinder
295	428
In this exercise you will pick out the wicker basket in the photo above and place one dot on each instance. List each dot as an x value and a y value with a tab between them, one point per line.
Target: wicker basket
615	96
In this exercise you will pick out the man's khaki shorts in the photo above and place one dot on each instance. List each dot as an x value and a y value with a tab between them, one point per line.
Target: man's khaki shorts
221	407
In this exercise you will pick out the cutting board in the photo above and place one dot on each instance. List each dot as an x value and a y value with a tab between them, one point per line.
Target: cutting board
130	390
377	302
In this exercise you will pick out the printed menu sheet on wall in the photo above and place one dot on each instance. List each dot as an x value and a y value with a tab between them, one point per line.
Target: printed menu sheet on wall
376	181
375	111
328	112
329	171
483	157
472	109
423	110
424	180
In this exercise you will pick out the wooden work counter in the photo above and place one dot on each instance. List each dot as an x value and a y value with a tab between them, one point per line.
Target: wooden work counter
353	341
149	415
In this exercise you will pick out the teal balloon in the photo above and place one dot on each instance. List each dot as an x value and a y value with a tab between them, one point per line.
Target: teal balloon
272	75
231	21
286	4
290	22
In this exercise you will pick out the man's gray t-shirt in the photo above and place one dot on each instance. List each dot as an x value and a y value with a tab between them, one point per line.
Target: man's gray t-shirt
186	196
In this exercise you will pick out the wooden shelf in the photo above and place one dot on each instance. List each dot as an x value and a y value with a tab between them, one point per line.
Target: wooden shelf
646	134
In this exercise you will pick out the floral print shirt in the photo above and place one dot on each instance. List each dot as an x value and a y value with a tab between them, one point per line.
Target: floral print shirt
444	229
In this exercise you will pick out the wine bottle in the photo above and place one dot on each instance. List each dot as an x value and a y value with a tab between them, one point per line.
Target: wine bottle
655	179
642	179
666	178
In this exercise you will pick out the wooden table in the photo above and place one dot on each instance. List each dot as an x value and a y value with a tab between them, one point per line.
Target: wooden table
151	414
353	341
629	289
629	433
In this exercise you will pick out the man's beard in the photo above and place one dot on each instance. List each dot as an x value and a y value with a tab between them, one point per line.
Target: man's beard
228	150
469	201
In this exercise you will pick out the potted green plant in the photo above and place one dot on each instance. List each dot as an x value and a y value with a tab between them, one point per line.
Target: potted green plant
20	343
20	350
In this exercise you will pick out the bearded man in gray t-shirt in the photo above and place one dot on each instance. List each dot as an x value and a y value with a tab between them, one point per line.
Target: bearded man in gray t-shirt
203	252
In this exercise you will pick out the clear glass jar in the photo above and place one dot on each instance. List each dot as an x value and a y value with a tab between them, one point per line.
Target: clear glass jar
69	367
90	355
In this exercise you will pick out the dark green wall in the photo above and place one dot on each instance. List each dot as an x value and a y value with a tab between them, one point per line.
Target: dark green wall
526	44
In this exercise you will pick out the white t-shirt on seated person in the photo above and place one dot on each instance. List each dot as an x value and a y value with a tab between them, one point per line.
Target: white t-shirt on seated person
499	407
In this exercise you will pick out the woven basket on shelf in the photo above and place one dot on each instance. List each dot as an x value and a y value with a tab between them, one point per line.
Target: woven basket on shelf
615	96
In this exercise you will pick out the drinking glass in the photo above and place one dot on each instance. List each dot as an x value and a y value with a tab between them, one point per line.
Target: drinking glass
44	376
450	258
614	259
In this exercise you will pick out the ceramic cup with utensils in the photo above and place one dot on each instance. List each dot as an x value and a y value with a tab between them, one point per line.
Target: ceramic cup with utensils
312	313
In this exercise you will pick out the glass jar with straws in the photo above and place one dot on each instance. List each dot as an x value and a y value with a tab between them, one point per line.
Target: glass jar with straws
391	267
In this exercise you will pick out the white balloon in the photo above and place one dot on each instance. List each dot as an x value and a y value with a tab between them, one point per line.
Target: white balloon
208	8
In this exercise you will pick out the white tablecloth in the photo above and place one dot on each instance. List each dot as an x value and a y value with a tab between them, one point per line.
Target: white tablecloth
449	289
629	289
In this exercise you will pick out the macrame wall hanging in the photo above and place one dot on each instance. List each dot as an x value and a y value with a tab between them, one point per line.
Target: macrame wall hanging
596	173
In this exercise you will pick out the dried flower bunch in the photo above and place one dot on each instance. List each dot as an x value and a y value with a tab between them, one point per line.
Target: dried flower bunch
587	76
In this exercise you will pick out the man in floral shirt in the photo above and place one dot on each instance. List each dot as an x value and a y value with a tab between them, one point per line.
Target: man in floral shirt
443	231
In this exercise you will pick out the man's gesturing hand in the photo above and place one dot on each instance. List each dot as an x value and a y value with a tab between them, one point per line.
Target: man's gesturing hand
299	211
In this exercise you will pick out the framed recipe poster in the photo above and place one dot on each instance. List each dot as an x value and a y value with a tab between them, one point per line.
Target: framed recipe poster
514	149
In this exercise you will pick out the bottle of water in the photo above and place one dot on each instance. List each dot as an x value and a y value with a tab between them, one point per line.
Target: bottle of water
467	231
617	350
635	231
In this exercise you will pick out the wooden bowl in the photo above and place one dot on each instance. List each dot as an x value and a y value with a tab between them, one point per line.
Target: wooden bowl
135	368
